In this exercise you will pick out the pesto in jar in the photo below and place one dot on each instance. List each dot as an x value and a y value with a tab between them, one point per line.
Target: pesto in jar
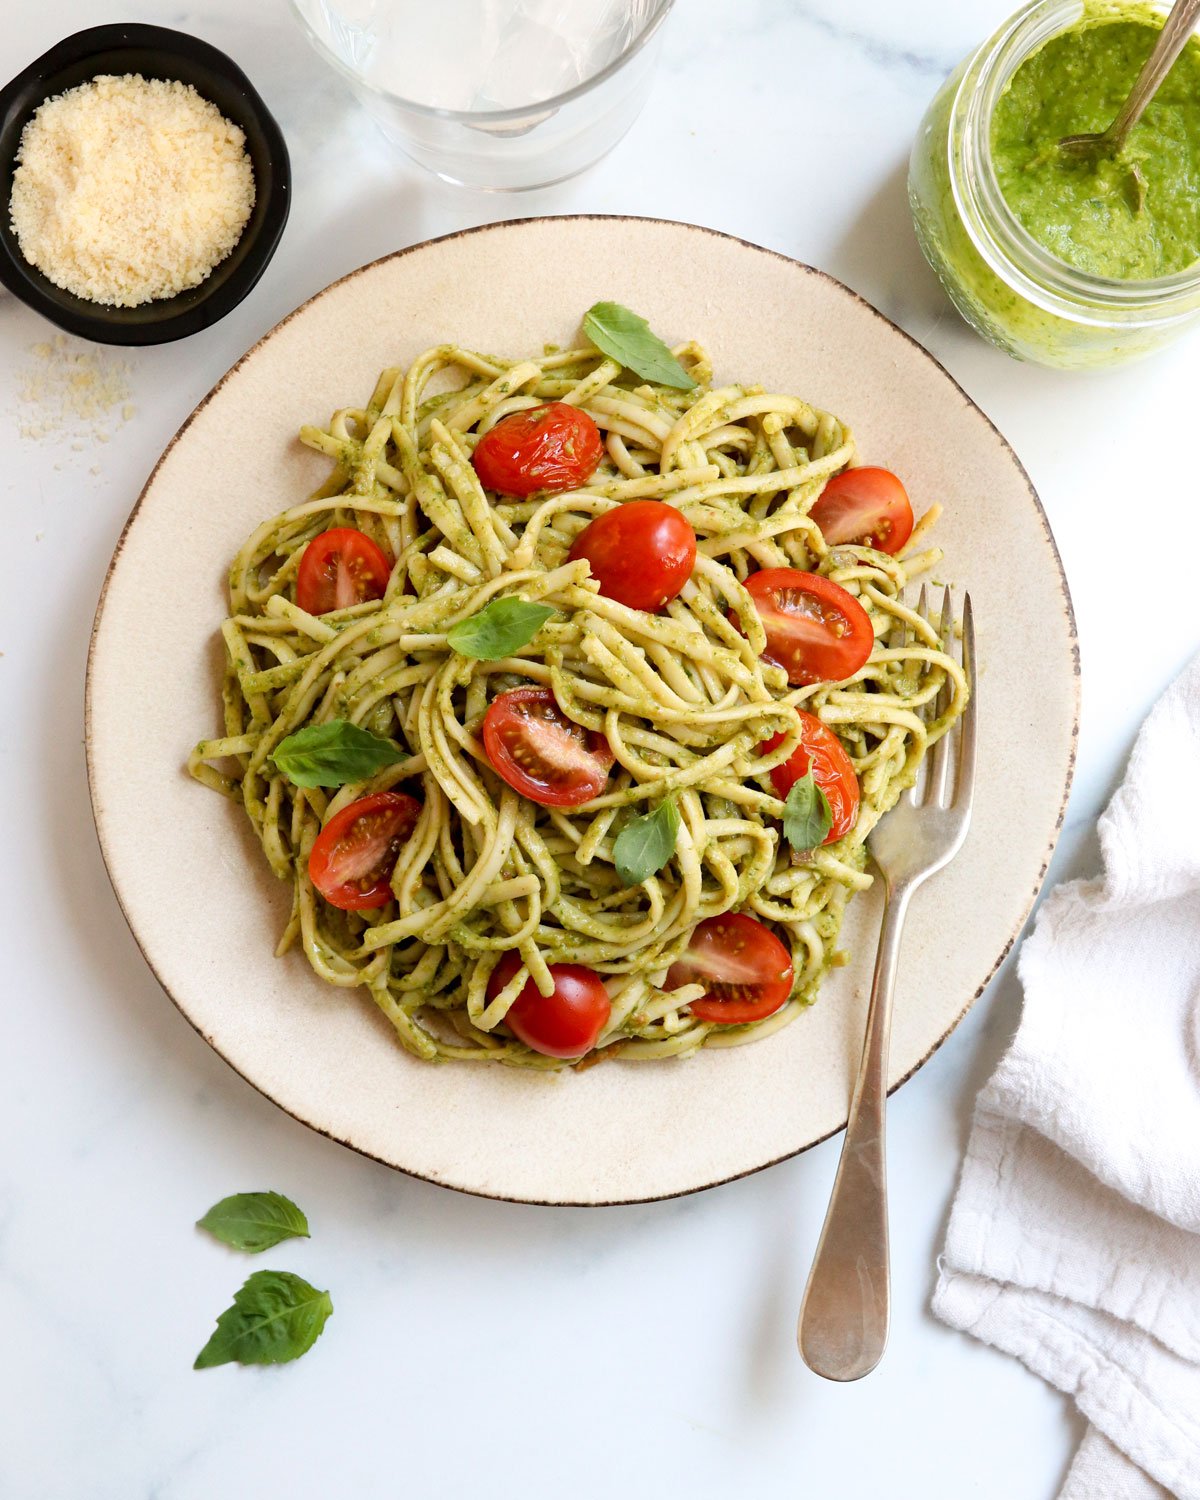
1135	216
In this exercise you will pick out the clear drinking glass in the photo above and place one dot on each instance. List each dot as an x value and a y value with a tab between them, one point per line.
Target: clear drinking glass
496	94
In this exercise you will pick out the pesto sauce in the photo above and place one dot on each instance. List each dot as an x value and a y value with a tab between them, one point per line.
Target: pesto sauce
1094	213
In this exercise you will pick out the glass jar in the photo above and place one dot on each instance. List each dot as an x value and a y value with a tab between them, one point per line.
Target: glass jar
1011	289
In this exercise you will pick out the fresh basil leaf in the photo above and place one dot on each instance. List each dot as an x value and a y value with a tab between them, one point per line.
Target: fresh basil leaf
254	1221
499	629
807	816
333	753
275	1317
646	843
625	337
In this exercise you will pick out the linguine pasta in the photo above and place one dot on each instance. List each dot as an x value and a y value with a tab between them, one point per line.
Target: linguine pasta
683	697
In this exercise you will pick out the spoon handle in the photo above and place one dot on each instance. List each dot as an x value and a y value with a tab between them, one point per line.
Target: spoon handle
1177	28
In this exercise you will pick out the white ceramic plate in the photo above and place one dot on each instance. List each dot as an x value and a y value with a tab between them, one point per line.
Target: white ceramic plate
191	879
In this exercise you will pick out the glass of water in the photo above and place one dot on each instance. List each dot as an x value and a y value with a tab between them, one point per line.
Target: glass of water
496	94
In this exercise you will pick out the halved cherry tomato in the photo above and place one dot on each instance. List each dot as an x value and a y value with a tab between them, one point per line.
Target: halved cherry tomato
340	568
541	753
823	753
352	860
551	447
744	968
816	631
641	554
564	1024
869	507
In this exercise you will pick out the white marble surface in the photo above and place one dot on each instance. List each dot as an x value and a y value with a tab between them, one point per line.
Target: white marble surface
480	1348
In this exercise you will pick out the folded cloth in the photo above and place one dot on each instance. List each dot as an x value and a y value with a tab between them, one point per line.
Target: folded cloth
1074	1240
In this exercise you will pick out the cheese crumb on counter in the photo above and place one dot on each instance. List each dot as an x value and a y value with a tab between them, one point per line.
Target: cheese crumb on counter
130	189
71	391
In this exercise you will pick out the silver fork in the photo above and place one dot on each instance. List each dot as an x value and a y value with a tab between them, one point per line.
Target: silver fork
843	1324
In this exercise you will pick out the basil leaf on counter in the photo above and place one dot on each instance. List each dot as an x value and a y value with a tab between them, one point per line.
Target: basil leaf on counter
333	753
499	629
646	843
275	1317
628	339
254	1221
807	817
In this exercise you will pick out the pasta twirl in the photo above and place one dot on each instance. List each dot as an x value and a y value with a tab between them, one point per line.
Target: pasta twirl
683	697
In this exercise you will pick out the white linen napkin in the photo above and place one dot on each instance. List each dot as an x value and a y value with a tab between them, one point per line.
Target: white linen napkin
1074	1239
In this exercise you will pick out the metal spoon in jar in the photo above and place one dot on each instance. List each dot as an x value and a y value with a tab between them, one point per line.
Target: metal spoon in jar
1177	28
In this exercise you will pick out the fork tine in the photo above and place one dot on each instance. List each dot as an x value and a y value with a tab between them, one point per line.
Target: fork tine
939	763
966	734
898	634
915	793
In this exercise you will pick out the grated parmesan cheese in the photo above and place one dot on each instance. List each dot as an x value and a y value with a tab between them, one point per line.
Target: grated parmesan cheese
130	189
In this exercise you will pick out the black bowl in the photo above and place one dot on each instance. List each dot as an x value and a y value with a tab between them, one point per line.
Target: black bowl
154	52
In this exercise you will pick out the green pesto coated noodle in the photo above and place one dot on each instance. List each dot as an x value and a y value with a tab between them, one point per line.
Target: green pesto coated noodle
683	697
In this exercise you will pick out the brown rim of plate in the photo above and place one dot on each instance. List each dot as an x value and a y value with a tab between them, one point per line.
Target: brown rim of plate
763	250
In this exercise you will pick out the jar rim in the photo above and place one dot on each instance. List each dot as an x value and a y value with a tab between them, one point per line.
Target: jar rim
1001	239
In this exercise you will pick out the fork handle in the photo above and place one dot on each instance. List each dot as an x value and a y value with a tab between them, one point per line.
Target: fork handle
843	1326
